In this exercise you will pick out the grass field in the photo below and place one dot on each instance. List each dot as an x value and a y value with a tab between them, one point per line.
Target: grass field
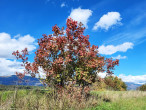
127	100
124	104
99	100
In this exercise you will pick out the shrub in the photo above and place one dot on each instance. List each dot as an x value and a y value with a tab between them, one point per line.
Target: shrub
115	83
142	87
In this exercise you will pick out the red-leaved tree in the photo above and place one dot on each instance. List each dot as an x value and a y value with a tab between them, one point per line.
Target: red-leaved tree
66	56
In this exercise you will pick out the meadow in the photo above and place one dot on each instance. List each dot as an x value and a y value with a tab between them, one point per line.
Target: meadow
41	99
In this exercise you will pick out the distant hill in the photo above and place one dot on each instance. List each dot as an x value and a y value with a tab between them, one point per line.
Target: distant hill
14	80
132	86
29	81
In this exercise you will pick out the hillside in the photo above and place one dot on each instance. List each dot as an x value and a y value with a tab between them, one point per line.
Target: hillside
132	86
14	80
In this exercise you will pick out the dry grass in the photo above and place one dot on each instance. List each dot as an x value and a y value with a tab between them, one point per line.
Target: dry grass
116	95
32	100
121	100
37	100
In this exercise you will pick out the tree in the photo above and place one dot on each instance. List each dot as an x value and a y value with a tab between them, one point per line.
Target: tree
115	83
142	87
66	56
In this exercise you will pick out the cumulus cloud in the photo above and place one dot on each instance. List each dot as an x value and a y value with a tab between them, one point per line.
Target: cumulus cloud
9	44
111	49
9	67
63	5
139	79
108	20
81	15
120	57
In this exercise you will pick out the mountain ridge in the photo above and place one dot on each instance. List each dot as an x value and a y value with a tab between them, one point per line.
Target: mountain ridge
28	80
14	80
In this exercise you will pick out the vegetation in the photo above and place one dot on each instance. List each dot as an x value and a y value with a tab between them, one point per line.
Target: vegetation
124	104
109	83
120	100
45	100
71	65
66	59
142	87
99	84
115	83
13	87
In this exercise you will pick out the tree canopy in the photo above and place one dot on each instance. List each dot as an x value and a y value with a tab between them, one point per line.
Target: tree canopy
66	56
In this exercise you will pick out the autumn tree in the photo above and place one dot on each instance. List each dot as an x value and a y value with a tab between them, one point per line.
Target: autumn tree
142	87
115	83
66	56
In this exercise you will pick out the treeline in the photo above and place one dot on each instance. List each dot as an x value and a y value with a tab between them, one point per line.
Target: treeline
13	87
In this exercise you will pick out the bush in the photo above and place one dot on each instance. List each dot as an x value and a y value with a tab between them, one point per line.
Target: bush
115	83
109	83
142	88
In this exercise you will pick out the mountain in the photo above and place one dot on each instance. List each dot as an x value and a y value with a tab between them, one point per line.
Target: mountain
14	80
27	80
132	86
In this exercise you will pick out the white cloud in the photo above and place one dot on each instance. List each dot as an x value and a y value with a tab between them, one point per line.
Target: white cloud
139	79
63	5
81	15
120	57
108	20
42	73
102	74
9	67
8	64
111	49
9	44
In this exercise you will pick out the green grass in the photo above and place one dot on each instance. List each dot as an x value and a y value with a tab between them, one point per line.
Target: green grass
99	100
4	95
124	104
120	100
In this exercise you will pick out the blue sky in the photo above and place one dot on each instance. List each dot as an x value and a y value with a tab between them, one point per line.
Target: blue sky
118	27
